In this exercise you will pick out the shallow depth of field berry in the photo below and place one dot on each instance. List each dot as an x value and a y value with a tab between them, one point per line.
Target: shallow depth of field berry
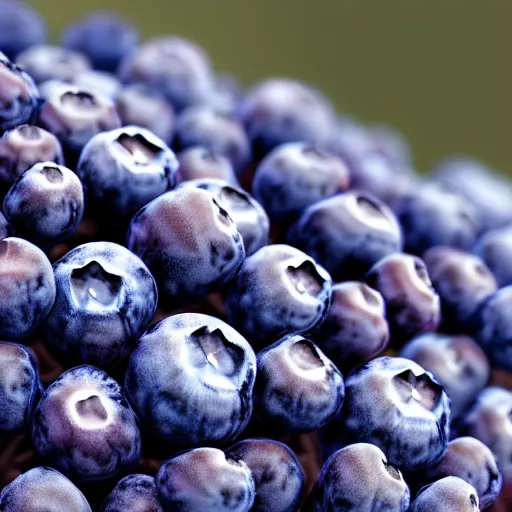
219	299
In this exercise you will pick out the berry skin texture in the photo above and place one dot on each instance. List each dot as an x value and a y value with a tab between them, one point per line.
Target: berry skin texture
21	26
433	215
450	494
249	216
492	328
177	68
204	126
462	281
84	426
20	102
124	169
358	478
99	82
280	110
189	243
104	37
469	459
42	488
412	305
456	362
489	421
495	249
134	493
347	234
297	388
198	163
27	288
20	388
355	328
75	116
5	228
25	146
190	379
276	471
279	290
205	479
45	204
106	298
398	406
294	176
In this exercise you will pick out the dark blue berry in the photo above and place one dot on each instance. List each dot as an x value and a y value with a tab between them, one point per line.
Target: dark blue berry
298	389
190	379
27	288
84	427
295	176
495	249
106	299
347	234
104	37
45	204
280	290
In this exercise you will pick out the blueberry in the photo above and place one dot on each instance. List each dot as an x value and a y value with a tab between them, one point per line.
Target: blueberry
45	62
45	204
190	379
141	106
75	116
84	427
390	142
432	215
358	478
490	421
456	362
205	479
99	82
204	126
19	101
398	406
27	288
412	304
469	459
199	162
42	488
489	192
104	37
298	389
280	290
106	299
492	328
462	281
347	234
294	176
495	249
189	243
280	110
276	471
5	228
20	27
134	493
20	388
450	494
371	168
226	94
250	218
355	328
124	169
25	146
174	66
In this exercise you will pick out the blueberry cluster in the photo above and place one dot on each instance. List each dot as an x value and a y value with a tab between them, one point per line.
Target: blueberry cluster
214	299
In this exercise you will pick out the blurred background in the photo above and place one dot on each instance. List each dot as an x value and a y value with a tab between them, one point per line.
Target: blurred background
439	70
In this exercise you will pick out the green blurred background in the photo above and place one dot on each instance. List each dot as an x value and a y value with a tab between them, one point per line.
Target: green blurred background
439	70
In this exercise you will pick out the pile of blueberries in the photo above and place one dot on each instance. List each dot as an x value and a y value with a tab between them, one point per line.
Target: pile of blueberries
226	276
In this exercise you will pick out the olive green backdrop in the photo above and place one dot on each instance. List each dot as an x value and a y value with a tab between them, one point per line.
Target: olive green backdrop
440	70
